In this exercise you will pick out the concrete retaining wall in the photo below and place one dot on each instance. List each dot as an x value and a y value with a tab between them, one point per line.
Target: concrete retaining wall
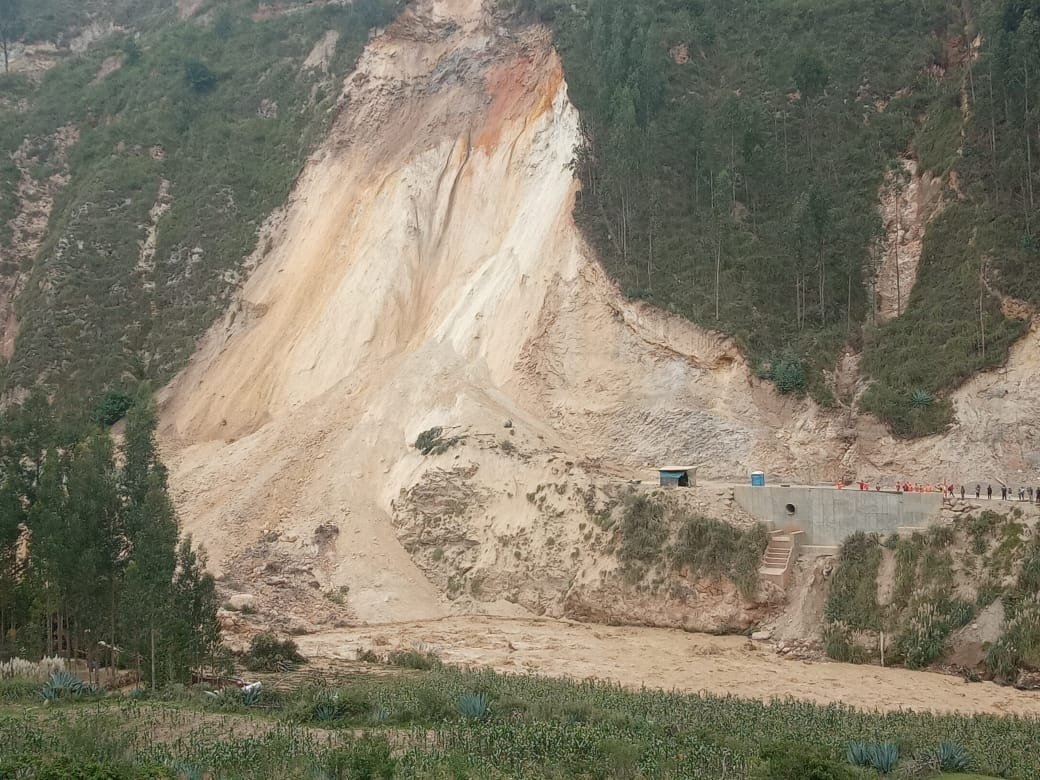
828	515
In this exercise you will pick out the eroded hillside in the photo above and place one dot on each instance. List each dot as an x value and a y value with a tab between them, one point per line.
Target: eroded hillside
427	272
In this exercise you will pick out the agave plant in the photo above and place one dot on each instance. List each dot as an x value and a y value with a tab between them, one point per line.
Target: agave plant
325	712
950	757
327	707
252	695
884	756
920	398
381	715
62	685
474	705
857	753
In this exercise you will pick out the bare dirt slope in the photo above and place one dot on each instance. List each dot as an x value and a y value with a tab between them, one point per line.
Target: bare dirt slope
910	199
427	272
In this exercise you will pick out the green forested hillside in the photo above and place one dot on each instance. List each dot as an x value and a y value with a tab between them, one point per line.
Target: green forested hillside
734	156
219	107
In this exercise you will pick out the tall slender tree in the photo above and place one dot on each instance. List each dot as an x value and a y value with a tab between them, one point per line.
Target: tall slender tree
11	25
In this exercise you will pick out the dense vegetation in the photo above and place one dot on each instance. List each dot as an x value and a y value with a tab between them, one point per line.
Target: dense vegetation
985	243
449	723
733	161
942	579
657	535
221	110
90	557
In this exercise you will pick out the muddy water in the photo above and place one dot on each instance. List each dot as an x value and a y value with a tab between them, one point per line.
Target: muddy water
668	659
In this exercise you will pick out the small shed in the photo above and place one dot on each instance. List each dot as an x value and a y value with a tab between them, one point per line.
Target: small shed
678	476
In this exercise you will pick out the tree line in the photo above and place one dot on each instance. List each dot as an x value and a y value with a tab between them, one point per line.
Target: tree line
92	564
733	154
732	157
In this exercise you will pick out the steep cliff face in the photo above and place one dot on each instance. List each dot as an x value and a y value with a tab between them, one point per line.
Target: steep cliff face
427	273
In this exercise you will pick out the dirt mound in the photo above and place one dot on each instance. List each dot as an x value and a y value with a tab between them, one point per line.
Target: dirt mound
969	644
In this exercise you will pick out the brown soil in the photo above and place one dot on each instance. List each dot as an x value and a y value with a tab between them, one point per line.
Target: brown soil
673	660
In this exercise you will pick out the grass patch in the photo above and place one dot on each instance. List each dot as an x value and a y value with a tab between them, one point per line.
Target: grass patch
654	532
1018	648
416	658
840	644
852	598
711	548
928	626
643	532
908	554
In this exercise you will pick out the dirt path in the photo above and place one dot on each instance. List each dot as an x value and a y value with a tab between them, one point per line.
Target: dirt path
666	659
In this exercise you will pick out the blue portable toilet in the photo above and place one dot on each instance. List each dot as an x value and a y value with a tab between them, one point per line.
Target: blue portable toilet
758	479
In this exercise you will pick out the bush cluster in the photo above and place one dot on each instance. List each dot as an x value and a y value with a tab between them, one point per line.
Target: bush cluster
268	653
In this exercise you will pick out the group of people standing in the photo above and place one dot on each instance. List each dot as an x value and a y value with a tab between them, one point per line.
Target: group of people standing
1007	494
949	491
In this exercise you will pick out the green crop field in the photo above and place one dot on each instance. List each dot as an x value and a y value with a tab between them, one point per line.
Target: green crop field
445	722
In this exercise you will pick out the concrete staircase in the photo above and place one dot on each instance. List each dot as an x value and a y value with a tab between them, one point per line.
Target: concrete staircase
779	556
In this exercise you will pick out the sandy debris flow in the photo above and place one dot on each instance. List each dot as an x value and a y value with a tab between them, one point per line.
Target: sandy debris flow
672	660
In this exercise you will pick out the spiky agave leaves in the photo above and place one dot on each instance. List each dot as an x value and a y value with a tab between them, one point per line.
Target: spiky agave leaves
64	685
949	757
882	756
476	706
327	707
921	398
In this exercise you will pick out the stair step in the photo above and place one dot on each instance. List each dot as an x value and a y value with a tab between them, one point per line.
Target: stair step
778	557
